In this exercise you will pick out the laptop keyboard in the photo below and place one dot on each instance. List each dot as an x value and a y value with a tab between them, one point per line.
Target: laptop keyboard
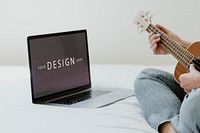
80	97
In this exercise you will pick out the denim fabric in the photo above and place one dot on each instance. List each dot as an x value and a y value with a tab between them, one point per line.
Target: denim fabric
162	99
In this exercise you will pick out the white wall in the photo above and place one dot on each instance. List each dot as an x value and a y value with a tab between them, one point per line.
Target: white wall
111	32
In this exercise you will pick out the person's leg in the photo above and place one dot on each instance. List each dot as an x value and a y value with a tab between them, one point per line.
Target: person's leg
159	96
189	117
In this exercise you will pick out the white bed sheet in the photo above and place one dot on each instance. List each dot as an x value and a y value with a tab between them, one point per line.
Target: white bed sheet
19	115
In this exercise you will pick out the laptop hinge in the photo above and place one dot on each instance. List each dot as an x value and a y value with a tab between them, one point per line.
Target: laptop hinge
67	95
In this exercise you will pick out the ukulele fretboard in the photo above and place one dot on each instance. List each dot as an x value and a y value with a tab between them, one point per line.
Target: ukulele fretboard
180	53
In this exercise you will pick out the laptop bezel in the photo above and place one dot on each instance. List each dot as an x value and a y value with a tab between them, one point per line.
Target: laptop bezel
69	92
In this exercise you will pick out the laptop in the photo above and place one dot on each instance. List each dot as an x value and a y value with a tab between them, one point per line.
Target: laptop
60	72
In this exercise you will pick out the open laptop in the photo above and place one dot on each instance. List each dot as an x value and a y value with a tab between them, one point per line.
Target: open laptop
60	72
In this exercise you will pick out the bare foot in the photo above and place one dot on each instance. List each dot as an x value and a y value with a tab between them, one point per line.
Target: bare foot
166	128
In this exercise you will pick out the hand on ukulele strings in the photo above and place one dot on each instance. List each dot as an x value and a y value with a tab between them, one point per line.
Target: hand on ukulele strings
154	40
191	80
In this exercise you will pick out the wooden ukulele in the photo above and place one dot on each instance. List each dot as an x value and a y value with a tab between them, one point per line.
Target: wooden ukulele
184	56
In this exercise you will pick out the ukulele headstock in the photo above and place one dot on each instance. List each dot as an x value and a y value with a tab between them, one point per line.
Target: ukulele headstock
142	21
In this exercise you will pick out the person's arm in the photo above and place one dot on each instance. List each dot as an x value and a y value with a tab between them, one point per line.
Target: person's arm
188	81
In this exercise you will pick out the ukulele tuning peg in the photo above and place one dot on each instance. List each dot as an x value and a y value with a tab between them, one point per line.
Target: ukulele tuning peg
151	16
147	12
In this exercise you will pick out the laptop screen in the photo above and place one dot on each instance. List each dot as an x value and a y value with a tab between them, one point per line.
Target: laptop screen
58	62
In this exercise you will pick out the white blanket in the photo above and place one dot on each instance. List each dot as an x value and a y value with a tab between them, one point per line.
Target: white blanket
19	115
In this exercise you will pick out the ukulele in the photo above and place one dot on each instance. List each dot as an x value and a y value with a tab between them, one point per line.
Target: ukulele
185	57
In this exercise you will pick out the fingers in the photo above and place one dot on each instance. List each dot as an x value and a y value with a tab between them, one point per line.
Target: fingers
154	39
183	84
181	79
150	35
192	67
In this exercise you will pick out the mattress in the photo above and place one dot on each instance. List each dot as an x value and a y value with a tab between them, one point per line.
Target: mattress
18	114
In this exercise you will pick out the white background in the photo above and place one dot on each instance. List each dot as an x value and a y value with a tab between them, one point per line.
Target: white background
113	37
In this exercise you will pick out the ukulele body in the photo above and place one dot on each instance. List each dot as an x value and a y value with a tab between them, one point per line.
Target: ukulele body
194	49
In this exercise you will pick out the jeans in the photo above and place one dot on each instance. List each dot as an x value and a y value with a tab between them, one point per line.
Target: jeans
162	99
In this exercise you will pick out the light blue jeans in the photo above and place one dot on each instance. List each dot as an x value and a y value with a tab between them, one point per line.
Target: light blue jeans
162	100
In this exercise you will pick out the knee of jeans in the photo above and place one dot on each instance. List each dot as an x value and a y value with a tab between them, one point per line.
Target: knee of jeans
140	80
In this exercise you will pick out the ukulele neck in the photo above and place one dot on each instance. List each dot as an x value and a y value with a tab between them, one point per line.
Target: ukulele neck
181	54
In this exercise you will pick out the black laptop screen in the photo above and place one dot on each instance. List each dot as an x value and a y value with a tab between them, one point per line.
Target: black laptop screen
58	62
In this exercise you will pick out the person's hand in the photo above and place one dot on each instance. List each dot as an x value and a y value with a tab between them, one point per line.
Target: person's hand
191	80
154	40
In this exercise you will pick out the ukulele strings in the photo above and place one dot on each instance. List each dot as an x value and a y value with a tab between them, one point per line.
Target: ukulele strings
186	58
178	51
163	41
